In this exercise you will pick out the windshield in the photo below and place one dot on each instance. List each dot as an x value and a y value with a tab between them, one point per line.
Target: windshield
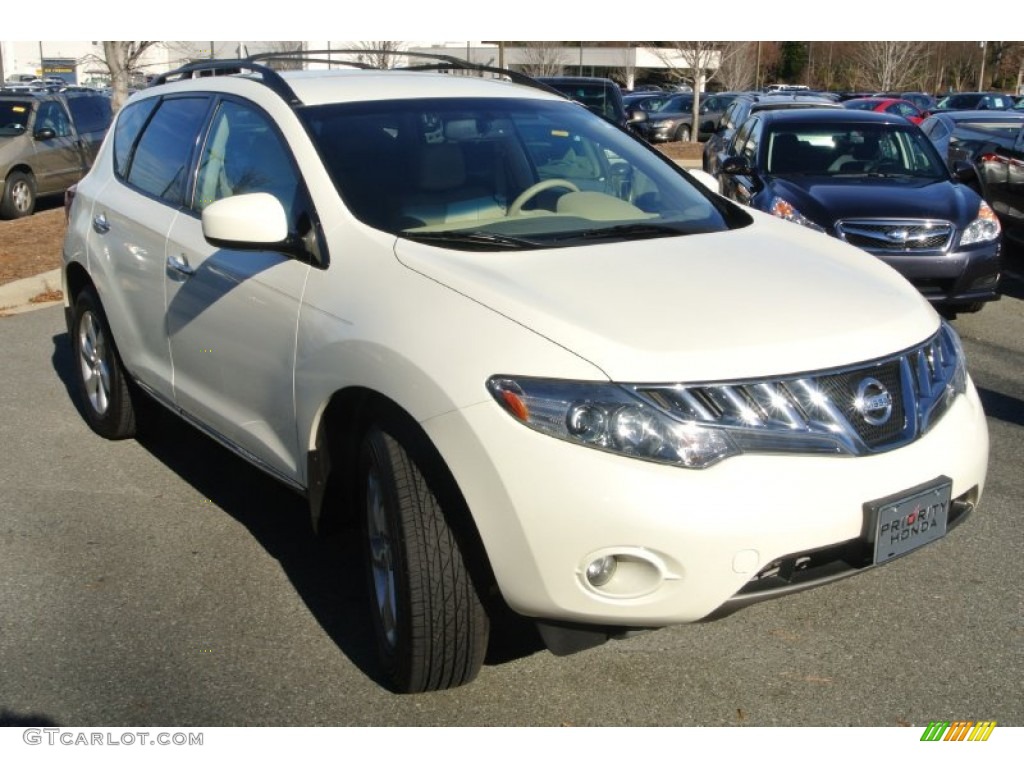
492	173
851	150
14	117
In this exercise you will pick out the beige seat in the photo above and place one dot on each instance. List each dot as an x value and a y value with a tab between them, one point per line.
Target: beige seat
444	194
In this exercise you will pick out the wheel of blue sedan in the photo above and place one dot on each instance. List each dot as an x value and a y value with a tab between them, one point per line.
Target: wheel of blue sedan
430	625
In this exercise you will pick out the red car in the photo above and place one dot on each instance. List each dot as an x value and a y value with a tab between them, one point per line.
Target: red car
899	107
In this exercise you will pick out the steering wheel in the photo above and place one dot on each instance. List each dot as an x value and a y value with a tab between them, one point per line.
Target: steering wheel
531	192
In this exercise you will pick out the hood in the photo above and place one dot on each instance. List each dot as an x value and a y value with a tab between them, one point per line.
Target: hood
826	200
772	298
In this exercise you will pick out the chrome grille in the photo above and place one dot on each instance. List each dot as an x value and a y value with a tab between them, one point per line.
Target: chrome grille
897	236
867	408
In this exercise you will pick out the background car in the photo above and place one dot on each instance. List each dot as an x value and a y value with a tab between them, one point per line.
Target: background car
990	145
898	107
959	135
973	100
875	181
47	143
598	94
923	101
671	121
712	107
742	107
646	101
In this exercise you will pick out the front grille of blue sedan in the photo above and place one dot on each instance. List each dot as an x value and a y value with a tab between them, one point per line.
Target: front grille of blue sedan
891	236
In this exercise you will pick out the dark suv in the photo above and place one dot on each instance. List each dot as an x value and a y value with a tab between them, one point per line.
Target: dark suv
47	143
741	108
598	94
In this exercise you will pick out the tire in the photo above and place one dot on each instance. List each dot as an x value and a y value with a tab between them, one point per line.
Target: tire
430	625
683	133
99	374
19	197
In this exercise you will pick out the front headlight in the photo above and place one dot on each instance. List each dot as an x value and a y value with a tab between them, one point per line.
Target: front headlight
982	229
871	407
609	418
785	210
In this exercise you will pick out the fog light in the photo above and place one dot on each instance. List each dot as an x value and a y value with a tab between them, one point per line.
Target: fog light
600	571
986	282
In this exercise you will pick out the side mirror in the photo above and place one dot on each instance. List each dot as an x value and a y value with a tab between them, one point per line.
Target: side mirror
964	172
735	166
635	116
254	222
45	133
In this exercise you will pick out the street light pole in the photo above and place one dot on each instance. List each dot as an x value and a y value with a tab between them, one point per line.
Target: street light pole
981	75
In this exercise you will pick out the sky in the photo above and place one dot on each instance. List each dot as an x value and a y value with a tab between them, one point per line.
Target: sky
519	20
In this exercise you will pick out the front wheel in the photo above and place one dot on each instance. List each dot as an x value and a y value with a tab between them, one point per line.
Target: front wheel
430	624
683	133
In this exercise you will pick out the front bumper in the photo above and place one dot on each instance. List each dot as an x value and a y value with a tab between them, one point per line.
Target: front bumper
959	277
692	540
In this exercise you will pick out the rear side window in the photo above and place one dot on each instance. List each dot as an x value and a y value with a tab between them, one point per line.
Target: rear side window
91	114
160	163
129	123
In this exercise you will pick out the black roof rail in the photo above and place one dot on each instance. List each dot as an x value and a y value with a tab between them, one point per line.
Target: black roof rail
440	61
211	67
273	80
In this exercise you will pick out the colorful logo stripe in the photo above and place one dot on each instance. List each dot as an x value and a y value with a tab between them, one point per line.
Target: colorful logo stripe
960	730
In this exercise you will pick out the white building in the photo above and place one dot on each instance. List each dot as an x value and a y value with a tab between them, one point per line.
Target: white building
82	61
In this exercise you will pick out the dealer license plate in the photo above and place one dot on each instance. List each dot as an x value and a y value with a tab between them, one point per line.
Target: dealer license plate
906	523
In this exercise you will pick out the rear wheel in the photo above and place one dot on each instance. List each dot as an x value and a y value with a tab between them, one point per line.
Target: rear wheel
102	382
19	198
430	624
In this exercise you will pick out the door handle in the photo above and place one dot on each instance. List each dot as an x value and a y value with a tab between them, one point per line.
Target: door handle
100	224
180	265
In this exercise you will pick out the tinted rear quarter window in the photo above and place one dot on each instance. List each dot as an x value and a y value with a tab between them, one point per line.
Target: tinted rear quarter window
161	158
129	123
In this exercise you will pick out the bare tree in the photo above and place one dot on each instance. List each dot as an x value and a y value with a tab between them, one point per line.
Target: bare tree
886	65
283	46
121	58
542	59
380	54
738	70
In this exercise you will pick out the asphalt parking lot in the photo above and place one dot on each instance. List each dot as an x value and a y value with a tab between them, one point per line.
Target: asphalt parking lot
165	582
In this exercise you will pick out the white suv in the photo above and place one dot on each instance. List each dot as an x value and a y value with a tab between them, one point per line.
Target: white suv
529	357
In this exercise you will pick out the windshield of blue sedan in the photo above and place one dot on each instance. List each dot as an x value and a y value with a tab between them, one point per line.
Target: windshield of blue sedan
851	150
495	173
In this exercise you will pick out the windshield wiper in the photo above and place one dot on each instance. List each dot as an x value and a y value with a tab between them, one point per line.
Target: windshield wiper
483	239
626	230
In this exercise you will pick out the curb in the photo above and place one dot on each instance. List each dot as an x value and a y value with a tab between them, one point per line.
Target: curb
15	297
